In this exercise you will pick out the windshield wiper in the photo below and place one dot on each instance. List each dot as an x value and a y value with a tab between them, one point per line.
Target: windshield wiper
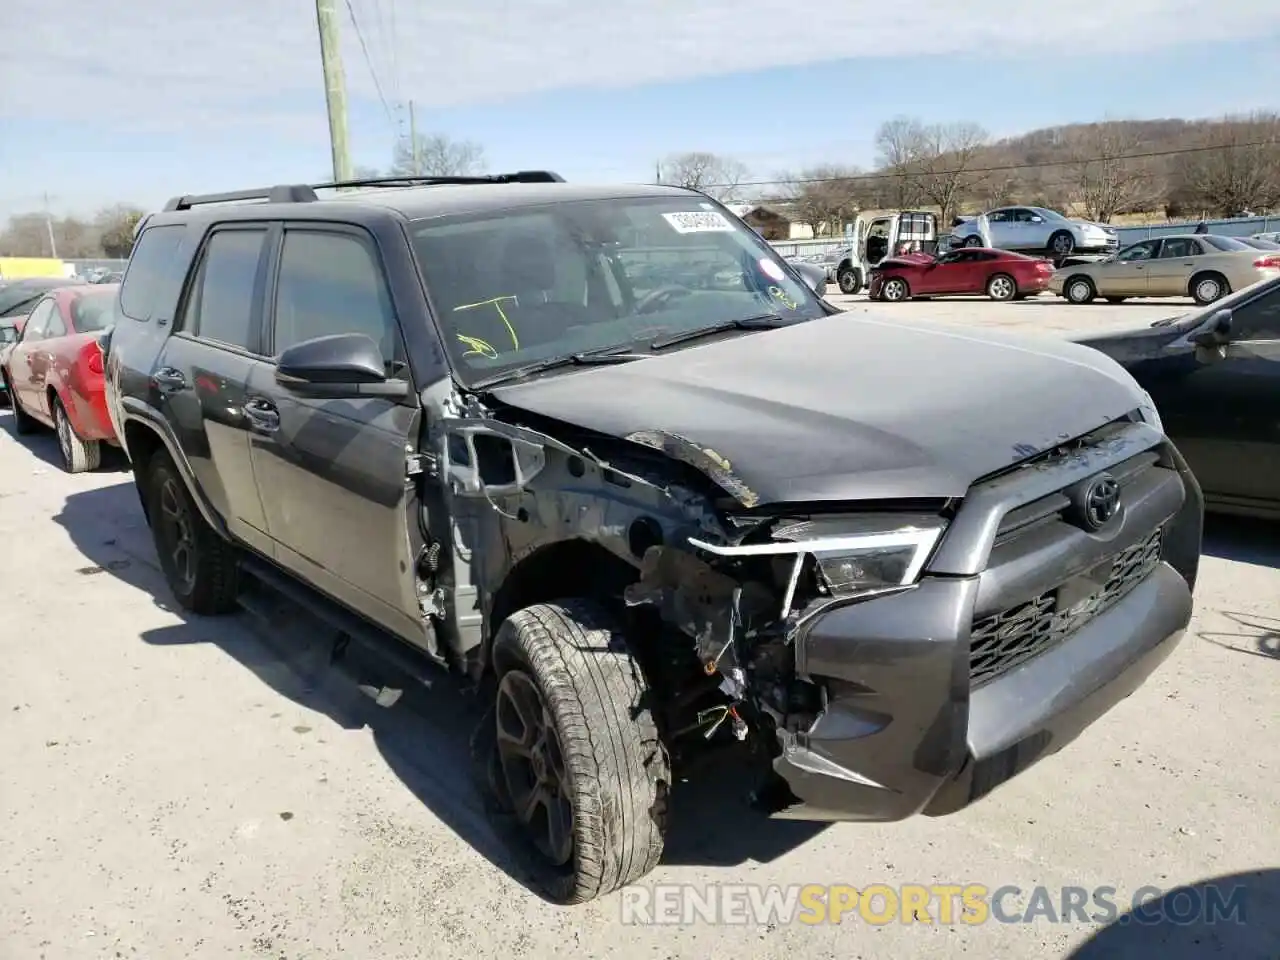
604	355
766	321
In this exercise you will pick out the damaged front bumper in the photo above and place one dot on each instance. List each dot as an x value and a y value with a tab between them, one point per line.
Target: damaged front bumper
902	732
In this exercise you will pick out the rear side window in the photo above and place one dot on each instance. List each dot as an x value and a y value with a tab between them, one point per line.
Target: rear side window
1259	319
152	258
220	304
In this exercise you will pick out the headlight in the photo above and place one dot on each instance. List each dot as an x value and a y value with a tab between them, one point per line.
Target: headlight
855	555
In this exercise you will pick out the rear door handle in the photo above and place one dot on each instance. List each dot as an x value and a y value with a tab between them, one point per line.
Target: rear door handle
169	379
262	415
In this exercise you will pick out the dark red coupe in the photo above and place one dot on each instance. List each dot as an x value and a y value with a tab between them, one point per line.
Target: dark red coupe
970	271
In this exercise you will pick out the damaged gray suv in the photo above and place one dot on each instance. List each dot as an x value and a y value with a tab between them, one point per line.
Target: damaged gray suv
603	453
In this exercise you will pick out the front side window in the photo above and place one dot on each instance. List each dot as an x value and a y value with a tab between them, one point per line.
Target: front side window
530	284
1259	319
1139	251
331	283
91	312
38	322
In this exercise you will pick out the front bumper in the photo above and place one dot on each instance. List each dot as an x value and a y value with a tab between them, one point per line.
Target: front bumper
906	729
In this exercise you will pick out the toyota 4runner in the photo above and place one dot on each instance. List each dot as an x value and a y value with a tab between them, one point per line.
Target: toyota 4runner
602	452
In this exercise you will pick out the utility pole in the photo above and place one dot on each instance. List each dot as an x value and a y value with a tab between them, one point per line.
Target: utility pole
413	140
48	223
335	92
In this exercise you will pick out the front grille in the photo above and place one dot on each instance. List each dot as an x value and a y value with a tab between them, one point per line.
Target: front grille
1006	639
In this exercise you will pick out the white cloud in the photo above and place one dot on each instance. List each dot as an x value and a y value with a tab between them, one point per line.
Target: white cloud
163	64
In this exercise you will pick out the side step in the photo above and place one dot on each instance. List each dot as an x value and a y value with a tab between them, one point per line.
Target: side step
416	665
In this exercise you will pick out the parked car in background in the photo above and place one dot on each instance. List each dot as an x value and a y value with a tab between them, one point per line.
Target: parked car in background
1037	230
19	296
1214	376
813	274
1273	237
10	328
1204	266
1259	243
53	373
969	271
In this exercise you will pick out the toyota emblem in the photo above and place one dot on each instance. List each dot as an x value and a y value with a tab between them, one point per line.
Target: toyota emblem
1101	502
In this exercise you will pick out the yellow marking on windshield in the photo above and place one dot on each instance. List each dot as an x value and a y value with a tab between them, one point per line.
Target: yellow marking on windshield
481	348
496	303
780	295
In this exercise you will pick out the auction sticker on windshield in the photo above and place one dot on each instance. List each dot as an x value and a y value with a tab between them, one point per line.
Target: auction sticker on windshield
698	222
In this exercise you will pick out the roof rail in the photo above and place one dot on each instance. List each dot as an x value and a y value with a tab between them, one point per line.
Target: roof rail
305	193
283	193
414	180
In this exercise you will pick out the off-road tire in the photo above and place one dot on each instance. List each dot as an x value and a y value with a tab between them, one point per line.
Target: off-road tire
849	281
23	422
1201	281
617	770
1081	300
78	455
215	562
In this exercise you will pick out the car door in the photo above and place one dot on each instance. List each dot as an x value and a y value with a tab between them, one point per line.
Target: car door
1125	275
55	327
1024	230
200	374
1004	235
1169	272
948	274
28	363
1224	415
333	472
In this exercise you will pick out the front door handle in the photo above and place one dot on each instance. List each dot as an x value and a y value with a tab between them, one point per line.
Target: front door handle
169	379
262	415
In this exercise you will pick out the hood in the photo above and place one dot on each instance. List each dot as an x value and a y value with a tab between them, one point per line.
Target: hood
845	408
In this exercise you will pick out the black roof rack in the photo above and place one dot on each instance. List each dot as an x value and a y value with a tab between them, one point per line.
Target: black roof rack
304	193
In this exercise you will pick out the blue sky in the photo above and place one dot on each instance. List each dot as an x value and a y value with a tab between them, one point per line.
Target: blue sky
164	102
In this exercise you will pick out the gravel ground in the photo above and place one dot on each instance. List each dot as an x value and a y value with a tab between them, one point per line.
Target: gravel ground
181	787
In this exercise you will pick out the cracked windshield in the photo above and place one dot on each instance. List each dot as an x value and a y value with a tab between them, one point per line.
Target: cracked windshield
640	481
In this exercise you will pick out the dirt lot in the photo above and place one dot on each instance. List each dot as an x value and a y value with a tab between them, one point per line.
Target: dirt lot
177	787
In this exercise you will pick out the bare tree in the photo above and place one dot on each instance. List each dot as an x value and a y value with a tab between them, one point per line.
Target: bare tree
25	235
1237	169
436	155
826	197
1106	177
945	161
115	229
715	175
897	145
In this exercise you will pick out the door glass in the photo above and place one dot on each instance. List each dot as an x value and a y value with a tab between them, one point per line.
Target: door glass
55	326
1179	247
220	304
37	322
1023	216
332	283
1259	319
1139	251
1000	216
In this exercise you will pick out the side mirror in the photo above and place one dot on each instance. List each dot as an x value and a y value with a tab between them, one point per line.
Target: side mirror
1212	340
1037	219
335	367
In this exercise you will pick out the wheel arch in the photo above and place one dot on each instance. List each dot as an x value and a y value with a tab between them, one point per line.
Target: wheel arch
141	439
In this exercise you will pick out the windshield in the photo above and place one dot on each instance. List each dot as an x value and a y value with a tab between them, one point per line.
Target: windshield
1225	243
93	311
1049	214
515	287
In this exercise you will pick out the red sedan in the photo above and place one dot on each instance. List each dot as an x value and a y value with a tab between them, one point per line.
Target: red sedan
53	373
971	271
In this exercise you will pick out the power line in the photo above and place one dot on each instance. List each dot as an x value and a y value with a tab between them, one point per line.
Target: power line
1003	168
369	62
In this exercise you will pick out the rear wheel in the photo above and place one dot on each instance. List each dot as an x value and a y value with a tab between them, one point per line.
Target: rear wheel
1208	287
78	455
1002	287
202	569
895	289
1079	290
579	759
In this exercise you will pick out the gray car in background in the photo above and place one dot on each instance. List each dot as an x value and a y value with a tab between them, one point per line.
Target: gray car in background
1037	230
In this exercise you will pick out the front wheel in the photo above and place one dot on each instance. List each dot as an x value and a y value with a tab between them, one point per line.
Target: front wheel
894	290
849	280
78	455
1079	290
580	762
1062	244
202	569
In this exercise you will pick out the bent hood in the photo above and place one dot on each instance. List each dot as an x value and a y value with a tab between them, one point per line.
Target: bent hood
845	409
